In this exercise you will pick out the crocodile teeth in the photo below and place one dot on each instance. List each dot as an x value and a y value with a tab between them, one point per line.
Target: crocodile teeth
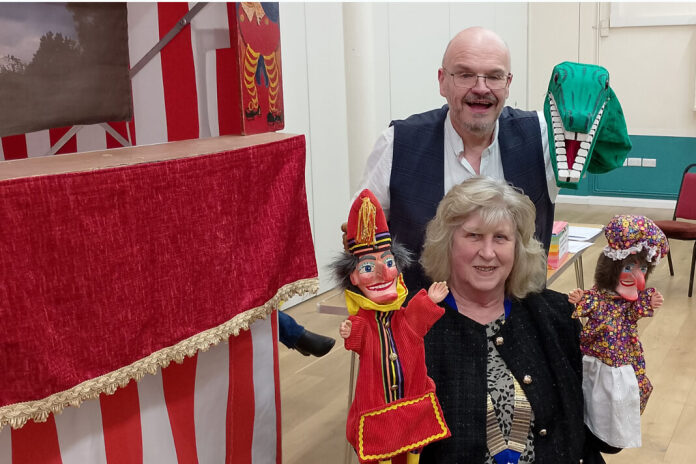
574	174
562	165
563	173
577	166
585	145
560	158
582	152
580	160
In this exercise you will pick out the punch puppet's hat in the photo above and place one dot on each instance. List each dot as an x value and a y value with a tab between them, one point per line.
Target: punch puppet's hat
367	232
367	229
627	234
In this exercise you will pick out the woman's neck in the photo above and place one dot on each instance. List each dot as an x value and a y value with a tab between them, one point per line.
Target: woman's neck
482	308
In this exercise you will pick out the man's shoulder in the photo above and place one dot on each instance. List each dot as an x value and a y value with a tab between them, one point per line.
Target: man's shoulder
432	116
515	113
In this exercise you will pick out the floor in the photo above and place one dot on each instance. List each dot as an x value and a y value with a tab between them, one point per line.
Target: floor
314	391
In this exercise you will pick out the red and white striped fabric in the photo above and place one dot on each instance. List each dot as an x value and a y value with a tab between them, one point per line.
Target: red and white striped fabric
186	413
172	95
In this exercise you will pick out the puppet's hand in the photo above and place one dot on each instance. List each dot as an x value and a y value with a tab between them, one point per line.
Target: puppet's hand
576	295
345	328
438	291
344	229
657	300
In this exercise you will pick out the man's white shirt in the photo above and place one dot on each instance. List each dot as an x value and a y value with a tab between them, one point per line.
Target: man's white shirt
378	168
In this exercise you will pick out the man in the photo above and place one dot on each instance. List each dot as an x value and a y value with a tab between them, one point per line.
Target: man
296	337
417	160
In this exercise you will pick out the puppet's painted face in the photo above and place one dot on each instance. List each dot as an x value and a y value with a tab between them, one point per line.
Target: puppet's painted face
631	280
376	276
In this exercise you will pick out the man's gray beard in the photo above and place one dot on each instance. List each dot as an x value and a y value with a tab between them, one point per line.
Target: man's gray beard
480	128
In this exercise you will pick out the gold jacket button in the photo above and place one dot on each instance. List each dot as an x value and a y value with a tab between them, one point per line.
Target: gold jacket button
394	387
527	379
499	341
542	432
393	356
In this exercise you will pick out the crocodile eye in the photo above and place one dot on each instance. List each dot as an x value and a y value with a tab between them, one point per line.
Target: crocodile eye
606	84
555	78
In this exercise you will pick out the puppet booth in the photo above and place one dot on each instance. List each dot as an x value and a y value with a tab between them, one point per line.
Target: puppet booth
138	285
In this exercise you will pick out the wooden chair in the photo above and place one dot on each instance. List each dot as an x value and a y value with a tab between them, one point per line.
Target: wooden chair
685	209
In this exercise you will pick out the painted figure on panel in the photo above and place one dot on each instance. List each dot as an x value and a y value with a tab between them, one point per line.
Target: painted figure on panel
259	27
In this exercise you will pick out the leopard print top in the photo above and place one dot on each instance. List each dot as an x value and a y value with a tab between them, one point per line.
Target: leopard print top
502	391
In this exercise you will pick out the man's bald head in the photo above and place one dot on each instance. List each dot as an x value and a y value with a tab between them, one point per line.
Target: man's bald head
480	52
475	38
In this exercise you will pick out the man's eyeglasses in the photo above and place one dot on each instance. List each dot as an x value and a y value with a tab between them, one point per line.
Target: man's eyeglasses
469	80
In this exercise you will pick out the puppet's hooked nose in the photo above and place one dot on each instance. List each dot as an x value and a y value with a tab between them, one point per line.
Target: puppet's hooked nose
639	276
382	271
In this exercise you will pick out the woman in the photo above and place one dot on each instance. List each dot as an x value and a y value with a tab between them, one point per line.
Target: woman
505	355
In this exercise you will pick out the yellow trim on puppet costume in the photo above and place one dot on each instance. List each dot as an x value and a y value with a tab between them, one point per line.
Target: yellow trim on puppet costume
406	448
355	301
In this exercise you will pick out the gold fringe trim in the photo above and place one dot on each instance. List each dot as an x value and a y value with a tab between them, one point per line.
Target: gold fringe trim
17	414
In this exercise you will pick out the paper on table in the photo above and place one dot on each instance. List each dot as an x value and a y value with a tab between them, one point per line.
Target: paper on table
575	246
583	233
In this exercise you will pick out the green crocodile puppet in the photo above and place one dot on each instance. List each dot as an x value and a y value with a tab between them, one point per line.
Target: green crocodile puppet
586	125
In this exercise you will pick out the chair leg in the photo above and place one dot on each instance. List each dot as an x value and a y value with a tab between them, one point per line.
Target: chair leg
669	261
693	263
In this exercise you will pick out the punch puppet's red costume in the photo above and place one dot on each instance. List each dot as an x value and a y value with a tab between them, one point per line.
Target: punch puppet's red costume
395	410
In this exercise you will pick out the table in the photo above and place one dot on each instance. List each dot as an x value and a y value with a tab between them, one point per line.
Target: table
573	258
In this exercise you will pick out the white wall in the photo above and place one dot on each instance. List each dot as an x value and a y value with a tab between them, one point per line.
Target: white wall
396	75
314	89
652	67
351	68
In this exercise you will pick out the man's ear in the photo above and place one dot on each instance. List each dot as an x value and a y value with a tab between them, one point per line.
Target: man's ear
441	81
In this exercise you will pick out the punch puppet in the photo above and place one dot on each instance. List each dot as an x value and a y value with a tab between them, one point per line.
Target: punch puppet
615	385
395	410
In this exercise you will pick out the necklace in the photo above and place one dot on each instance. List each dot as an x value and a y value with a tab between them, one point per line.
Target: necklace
509	451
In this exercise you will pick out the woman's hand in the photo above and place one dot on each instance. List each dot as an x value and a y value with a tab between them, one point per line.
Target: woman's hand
657	300
576	295
344	330
438	291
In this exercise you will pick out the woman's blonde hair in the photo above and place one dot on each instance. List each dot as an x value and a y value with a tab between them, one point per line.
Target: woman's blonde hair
494	201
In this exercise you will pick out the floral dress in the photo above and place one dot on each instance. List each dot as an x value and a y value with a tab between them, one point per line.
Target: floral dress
611	331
